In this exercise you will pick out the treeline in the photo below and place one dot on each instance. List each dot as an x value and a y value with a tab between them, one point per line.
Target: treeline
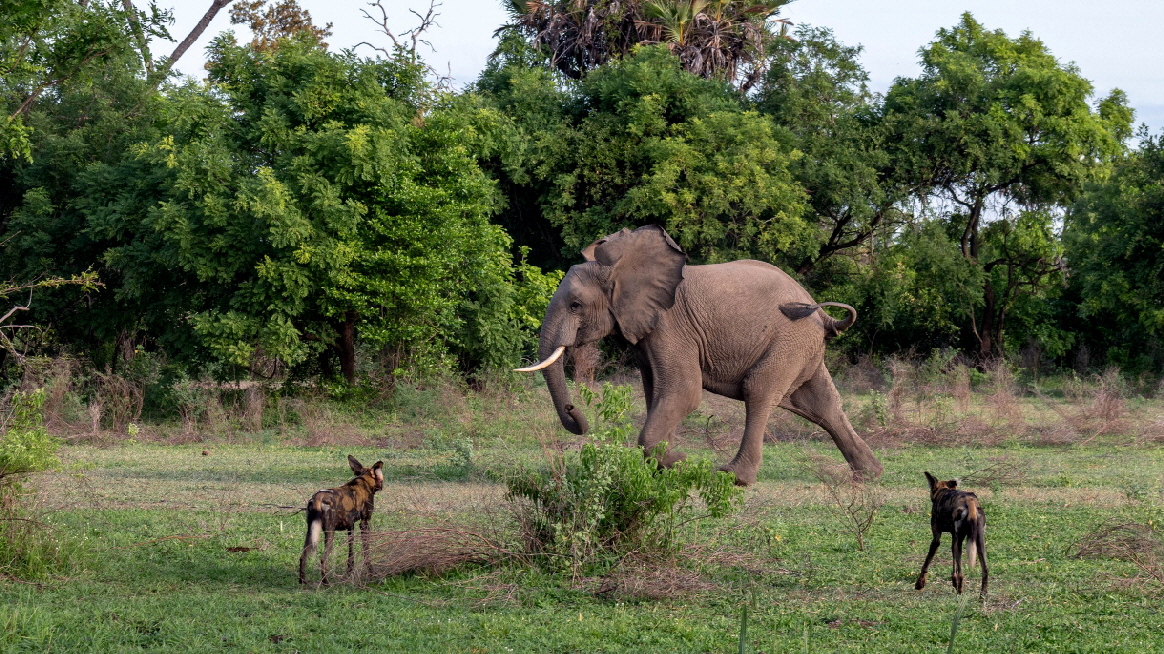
311	213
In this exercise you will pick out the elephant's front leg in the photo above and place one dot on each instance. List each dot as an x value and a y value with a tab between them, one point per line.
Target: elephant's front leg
669	401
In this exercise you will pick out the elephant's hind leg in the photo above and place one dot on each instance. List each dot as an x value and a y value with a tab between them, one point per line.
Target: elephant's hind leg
761	391
746	464
818	401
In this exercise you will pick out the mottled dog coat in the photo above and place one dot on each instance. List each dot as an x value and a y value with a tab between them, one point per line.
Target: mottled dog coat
959	513
339	509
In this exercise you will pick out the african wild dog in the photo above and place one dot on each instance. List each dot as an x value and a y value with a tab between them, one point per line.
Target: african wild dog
340	509
959	513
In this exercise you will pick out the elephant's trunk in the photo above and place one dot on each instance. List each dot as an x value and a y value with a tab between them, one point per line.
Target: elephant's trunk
572	419
555	374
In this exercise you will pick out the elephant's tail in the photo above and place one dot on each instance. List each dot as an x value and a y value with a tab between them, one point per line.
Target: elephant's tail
833	327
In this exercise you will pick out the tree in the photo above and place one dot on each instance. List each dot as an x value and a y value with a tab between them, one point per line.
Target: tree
722	39
642	141
816	89
994	122
1114	240
45	44
306	198
271	23
82	125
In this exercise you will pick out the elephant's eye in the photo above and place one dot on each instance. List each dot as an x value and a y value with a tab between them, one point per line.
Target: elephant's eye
574	306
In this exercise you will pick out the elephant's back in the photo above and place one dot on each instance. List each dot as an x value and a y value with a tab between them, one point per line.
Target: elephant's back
733	311
747	281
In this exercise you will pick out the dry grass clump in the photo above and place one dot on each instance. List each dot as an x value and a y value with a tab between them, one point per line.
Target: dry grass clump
856	501
931	401
321	426
431	551
647	580
1107	409
998	471
861	377
1003	397
1127	541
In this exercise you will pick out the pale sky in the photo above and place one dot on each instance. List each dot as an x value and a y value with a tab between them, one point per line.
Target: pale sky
1114	44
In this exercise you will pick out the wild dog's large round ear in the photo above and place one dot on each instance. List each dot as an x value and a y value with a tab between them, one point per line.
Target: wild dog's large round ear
953	483
933	481
378	465
357	467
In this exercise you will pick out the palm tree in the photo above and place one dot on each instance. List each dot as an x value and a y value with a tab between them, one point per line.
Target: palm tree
713	38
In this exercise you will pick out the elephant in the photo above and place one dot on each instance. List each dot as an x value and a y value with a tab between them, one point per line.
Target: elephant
744	330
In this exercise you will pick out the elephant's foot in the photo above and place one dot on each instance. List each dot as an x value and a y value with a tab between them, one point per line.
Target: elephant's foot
671	457
870	473
745	475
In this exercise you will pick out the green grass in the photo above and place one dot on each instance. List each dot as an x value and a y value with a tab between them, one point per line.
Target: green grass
154	523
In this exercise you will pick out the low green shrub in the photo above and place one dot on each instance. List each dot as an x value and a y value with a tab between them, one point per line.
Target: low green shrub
590	507
27	548
25	445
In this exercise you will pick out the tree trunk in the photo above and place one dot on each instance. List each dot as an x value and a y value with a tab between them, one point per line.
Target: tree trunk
327	363
986	342
347	347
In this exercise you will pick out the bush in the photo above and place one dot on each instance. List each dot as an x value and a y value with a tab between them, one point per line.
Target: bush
26	547
607	500
25	445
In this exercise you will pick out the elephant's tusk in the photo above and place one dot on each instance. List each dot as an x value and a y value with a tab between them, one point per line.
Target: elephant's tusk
544	364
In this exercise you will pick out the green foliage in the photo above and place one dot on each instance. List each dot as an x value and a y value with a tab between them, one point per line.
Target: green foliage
1115	243
994	120
25	446
608	500
26	549
641	141
916	293
250	223
816	89
49	44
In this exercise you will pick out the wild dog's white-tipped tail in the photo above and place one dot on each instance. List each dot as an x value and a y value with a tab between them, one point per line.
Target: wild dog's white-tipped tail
544	364
973	552
314	530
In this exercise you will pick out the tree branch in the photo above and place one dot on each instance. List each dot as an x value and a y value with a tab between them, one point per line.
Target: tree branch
138	34
215	7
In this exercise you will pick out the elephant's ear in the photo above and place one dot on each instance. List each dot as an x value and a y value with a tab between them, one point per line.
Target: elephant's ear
588	251
646	268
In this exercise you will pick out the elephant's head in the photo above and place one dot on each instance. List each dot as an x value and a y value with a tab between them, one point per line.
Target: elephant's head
627	282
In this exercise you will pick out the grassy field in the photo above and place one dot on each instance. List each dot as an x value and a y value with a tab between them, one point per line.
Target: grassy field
152	525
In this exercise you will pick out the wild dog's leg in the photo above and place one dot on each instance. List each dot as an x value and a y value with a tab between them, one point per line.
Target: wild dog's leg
980	538
351	549
957	577
366	537
314	527
327	538
921	578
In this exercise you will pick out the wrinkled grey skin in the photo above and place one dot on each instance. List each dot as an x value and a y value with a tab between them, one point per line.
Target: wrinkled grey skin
719	327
